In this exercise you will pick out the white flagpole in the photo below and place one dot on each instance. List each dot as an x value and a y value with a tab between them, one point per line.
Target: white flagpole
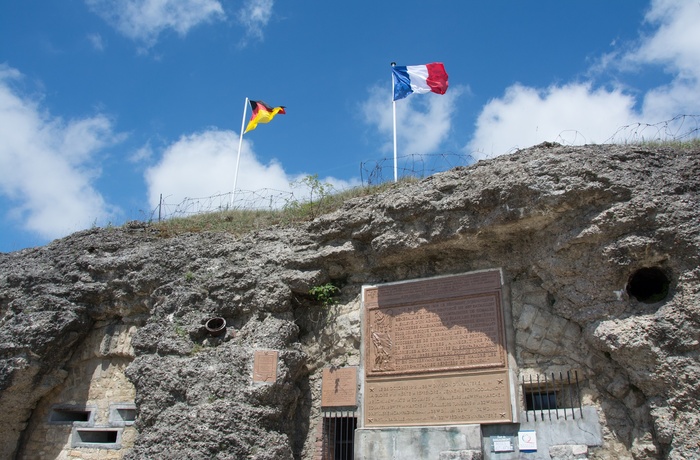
393	102
238	158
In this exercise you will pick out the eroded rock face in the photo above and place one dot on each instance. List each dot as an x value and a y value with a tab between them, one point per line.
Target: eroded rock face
569	226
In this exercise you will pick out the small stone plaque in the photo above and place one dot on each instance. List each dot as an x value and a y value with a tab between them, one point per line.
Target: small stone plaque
265	366
482	397
339	387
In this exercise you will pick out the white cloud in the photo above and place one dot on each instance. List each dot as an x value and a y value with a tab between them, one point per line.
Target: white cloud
50	190
676	40
254	16
579	113
142	154
423	122
571	114
96	41
144	20
675	44
203	165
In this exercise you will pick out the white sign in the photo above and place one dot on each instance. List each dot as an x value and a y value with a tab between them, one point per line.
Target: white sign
527	440
502	443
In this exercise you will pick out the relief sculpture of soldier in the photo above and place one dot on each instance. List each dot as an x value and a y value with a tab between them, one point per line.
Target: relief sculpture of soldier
381	342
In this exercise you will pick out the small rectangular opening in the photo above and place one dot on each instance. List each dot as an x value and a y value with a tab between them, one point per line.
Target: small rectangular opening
69	415
552	396
338	435
97	436
122	414
541	401
126	415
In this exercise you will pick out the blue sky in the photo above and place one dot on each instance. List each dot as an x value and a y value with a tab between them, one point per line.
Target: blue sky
105	105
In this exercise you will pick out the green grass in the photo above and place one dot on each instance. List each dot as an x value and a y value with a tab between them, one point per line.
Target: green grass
690	144
240	222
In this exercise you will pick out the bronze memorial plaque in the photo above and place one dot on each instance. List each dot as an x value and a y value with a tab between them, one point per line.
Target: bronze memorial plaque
450	323
433	347
339	387
482	397
265	366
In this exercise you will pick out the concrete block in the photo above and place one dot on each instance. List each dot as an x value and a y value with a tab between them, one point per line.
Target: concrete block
569	452
535	340
566	435
538	297
544	319
427	442
461	455
557	326
549	348
527	317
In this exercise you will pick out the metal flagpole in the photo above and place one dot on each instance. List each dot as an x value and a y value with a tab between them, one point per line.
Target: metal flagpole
238	158
396	174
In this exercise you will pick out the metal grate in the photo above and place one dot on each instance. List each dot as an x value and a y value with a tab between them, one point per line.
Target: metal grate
552	396
339	435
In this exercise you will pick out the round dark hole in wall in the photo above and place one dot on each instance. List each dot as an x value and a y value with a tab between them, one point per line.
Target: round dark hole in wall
648	285
216	326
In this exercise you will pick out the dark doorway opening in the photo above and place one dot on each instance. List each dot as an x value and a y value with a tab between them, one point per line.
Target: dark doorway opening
339	435
648	285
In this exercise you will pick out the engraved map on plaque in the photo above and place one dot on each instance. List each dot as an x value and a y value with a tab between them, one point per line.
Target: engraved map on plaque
265	366
435	352
339	387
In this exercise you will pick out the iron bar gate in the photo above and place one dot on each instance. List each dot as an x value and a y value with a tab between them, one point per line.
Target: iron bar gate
339	434
551	394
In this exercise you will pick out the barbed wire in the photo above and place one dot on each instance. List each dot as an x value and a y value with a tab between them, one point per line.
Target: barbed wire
375	172
372	173
679	128
249	200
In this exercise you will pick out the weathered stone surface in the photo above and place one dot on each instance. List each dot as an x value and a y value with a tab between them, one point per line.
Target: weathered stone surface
461	455
569	452
567	225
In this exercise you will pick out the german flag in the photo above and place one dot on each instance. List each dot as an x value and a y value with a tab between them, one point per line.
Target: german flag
262	113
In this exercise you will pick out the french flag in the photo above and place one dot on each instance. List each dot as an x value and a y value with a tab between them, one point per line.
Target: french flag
419	79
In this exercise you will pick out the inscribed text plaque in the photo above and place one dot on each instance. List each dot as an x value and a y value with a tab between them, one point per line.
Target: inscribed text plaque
265	366
429	289
482	397
339	387
434	352
450	323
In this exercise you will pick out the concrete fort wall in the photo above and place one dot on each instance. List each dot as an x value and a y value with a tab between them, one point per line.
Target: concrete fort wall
90	415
